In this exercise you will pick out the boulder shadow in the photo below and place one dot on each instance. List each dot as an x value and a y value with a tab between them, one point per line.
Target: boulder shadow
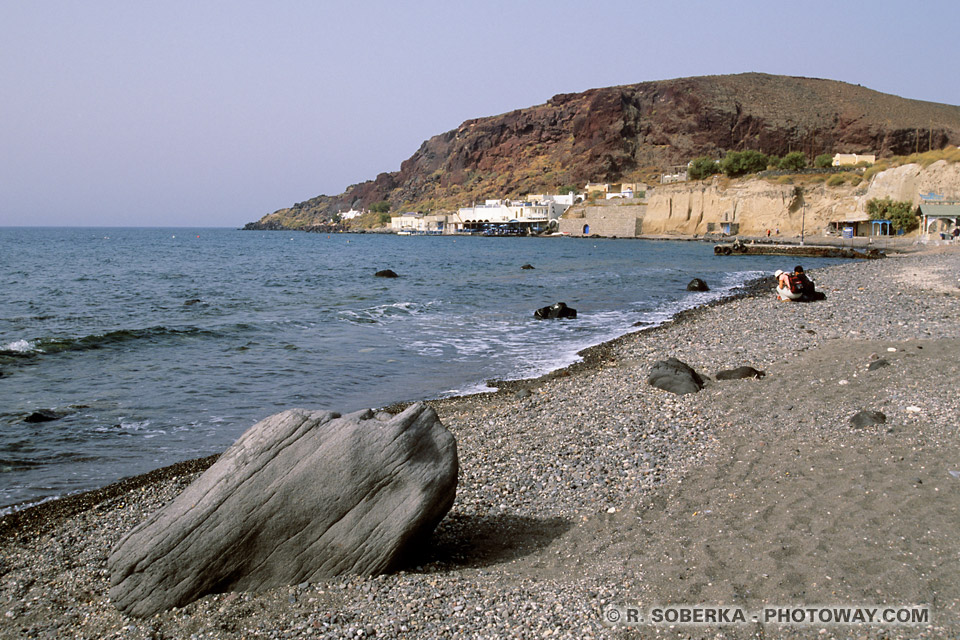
476	541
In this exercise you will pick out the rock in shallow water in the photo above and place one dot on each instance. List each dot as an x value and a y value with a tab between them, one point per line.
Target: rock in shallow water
554	311
301	496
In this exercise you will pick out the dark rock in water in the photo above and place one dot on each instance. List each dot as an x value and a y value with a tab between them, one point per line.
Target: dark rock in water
867	418
878	364
674	376
527	266
302	496
44	415
190	303
697	285
557	310
386	273
739	373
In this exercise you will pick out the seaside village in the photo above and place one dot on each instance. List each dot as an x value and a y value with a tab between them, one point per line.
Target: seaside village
630	210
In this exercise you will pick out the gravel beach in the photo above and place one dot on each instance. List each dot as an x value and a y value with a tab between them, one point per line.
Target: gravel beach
588	492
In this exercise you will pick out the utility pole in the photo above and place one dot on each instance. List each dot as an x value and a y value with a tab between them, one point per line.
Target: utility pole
803	216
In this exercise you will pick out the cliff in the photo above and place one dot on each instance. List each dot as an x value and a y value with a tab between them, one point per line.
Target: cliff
633	131
756	205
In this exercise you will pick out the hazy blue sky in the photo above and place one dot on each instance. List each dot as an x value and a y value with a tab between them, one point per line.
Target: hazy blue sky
209	113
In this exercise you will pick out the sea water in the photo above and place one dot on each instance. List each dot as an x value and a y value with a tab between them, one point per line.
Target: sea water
160	345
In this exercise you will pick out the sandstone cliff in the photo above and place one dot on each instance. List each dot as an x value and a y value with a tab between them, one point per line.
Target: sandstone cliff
634	130
756	205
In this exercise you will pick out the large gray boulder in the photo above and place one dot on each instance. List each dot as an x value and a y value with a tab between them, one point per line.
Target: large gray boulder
674	376
301	496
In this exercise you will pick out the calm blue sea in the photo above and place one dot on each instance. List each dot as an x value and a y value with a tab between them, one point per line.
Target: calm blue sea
161	345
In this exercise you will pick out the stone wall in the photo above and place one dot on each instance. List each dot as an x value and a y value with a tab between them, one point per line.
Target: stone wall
604	220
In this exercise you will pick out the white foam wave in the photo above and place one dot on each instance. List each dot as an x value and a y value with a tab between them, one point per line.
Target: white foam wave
384	312
20	346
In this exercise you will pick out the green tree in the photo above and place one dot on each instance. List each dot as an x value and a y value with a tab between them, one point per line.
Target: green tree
823	161
793	161
702	167
567	189
384	218
380	207
739	163
900	214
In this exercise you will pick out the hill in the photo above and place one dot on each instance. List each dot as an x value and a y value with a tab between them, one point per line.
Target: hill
633	131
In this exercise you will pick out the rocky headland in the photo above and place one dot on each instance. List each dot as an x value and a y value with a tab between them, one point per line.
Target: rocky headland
633	132
589	489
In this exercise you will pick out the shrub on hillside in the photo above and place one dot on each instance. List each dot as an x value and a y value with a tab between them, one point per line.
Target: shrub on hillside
823	161
836	180
702	167
794	161
739	163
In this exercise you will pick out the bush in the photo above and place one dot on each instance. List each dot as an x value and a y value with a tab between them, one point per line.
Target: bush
739	163
874	170
380	207
899	213
823	161
384	218
773	162
794	161
702	167
836	180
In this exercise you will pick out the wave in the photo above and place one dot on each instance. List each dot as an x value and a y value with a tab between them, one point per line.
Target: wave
38	346
383	312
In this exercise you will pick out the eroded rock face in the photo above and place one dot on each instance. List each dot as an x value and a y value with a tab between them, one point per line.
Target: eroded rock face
299	497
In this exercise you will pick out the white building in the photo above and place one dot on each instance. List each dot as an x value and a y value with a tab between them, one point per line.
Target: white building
413	222
514	217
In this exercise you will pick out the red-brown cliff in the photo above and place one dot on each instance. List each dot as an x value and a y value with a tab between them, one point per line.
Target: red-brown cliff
628	131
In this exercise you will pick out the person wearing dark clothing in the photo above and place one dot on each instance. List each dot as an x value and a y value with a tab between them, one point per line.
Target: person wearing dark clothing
809	291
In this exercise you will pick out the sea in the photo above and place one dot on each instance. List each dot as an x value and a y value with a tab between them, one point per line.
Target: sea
154	346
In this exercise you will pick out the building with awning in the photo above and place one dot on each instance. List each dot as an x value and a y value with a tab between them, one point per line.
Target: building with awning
939	216
852	225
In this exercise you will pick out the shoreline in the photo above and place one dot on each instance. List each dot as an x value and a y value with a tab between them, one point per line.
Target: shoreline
594	489
33	517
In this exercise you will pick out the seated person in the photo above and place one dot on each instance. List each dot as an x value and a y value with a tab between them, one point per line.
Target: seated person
807	288
787	290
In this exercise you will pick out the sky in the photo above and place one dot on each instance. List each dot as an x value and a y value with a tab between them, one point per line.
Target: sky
212	114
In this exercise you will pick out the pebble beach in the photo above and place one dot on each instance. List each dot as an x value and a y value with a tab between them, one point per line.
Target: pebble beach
587	491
